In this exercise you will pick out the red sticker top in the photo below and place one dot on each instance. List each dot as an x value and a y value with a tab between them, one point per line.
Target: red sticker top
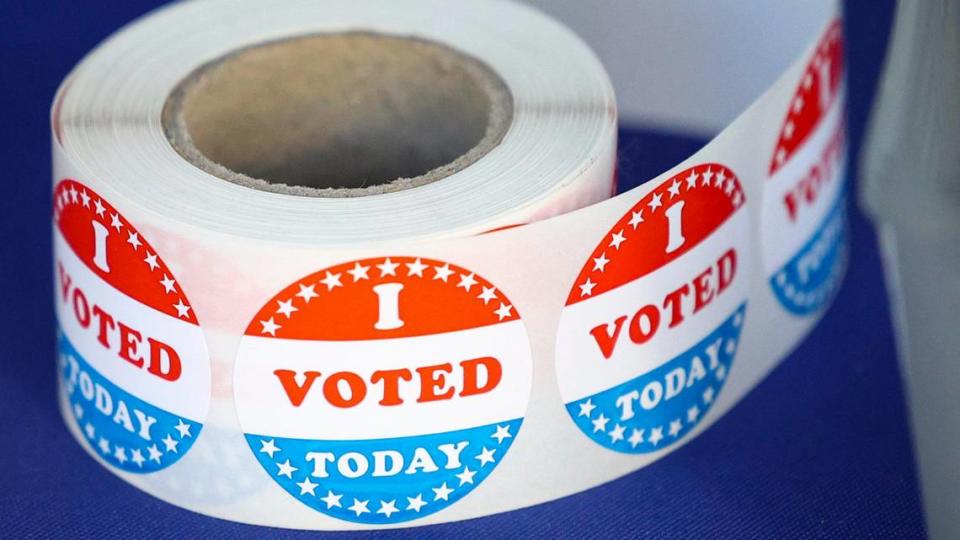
637	245
362	300
115	251
814	95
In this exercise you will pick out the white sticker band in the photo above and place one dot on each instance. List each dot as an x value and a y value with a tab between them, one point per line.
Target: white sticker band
501	337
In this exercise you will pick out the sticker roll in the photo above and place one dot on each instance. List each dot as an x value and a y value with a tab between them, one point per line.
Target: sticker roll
342	265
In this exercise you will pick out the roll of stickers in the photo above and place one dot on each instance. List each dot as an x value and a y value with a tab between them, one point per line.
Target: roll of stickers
339	265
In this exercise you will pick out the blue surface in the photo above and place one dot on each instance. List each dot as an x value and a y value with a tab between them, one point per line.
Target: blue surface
819	449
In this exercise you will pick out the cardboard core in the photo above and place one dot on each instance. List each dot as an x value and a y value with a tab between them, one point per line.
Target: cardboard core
338	115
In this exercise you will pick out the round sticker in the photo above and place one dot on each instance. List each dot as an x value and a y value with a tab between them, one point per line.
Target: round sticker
133	360
650	328
382	390
804	218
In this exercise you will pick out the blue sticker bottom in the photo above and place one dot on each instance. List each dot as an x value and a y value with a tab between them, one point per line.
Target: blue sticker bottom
382	481
656	409
809	280
127	432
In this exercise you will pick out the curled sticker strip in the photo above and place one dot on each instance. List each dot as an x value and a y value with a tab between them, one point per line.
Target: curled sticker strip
502	335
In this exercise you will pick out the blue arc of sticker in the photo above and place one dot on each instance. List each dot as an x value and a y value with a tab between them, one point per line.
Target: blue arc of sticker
808	281
656	409
127	432
403	478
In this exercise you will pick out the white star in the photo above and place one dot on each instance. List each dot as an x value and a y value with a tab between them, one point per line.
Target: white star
154	453
388	268
718	181
587	288
359	507
675	427
692	414
307	487
788	129
268	447
137	457
89	429
99	208
656	435
359	272
134	240
388	508
488	294
171	445
286	308
332	499
617	433
599	263
306	292
331	281
616	239
721	372
167	283
728	189
486	456
737	198
721	177
503	432
416	503
674	189
442	492
77	411
636	218
86	199
466	477
636	437
73	193
151	260
708	395
798	104
183	310
503	311
442	272
120	453
600	424
706	178
183	428
286	469
416	268
586	408
467	282
781	155
655	202
269	327
115	222
738	318
692	180
104	445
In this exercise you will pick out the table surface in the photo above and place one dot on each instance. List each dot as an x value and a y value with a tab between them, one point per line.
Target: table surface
821	448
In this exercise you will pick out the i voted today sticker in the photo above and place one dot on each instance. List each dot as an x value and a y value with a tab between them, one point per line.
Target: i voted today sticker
651	326
804	206
383	390
133	362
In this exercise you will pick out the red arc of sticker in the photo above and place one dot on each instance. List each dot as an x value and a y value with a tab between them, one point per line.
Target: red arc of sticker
637	245
814	96
380	298
112	248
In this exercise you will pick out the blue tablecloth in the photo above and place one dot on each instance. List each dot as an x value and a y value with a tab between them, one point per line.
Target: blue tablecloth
819	449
